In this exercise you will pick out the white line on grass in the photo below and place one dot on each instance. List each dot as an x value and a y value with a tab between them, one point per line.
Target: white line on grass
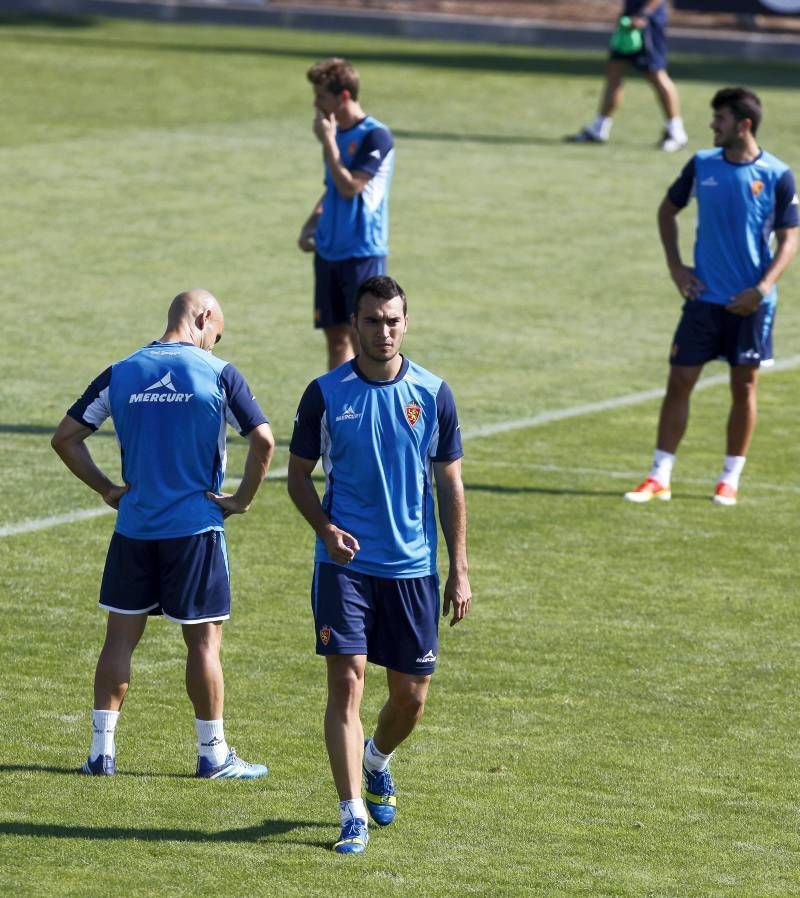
548	417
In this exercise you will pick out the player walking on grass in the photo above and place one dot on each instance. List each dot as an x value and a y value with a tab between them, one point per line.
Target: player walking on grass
744	194
348	229
169	402
387	432
641	41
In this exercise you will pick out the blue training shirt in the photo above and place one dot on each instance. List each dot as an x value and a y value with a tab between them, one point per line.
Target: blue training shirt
739	205
378	442
170	403
358	227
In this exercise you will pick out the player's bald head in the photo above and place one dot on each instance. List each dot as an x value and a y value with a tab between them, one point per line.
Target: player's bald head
191	303
197	313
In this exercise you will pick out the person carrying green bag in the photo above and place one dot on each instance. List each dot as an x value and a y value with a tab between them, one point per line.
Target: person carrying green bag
639	39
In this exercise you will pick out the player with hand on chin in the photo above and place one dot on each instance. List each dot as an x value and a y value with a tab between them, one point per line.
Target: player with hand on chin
388	435
348	229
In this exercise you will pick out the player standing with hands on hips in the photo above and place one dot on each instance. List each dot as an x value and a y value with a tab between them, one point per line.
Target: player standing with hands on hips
348	229
388	435
744	195
170	402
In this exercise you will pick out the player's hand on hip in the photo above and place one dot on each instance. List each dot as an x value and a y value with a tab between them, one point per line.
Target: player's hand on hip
114	494
228	503
458	594
744	303
306	241
689	286
341	545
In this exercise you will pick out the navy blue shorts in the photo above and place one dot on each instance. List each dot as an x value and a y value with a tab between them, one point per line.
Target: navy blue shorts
395	623
335	285
707	331
186	579
653	55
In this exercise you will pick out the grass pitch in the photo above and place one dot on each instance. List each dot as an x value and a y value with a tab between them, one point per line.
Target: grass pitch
618	715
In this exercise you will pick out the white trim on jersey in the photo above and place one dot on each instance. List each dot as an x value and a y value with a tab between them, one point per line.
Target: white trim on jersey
377	187
98	409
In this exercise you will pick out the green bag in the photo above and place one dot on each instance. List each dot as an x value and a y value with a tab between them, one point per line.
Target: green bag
626	40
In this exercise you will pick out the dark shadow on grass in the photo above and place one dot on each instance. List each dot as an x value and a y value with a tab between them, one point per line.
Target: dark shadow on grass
52	20
516	61
42	430
535	490
492	139
266	830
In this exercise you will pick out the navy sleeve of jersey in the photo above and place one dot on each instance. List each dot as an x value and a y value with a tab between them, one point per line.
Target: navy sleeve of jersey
681	191
449	447
307	435
786	204
375	147
244	413
93	407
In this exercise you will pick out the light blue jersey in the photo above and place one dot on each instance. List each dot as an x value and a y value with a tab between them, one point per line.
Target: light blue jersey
738	208
170	403
378	442
359	226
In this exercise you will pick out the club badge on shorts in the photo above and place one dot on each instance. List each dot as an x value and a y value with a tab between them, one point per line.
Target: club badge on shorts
413	411
325	634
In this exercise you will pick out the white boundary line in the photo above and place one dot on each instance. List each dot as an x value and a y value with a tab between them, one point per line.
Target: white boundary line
542	418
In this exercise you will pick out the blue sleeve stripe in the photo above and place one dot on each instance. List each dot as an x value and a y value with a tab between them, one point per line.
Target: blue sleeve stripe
307	435
786	203
242	403
93	407
680	192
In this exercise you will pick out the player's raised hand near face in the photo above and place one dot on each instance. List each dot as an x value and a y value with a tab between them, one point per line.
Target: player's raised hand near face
458	594
324	126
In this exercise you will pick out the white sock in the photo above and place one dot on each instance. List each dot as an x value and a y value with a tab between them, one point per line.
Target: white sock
352	809
104	723
601	126
675	128
375	760
211	742
732	470
663	462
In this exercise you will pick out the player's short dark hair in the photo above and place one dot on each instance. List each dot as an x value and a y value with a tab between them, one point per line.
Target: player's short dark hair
335	75
743	103
382	287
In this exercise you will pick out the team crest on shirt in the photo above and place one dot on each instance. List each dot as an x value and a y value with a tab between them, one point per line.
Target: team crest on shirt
413	411
351	148
757	187
325	635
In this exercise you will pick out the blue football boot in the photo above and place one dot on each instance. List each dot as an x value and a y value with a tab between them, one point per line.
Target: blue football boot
102	765
353	837
233	767
379	795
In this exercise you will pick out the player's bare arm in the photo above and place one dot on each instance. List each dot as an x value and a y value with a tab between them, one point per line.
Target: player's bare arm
259	456
453	518
689	286
69	441
746	302
341	545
